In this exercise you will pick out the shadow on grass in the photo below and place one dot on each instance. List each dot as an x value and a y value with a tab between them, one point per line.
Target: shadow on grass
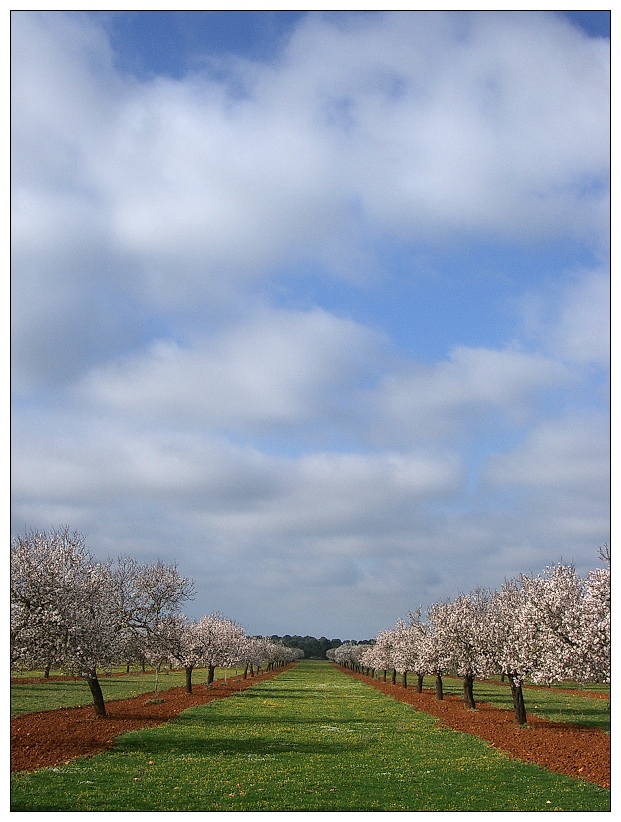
194	717
282	693
219	746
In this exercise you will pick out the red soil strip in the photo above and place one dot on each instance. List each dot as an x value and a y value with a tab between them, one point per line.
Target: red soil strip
574	750
48	738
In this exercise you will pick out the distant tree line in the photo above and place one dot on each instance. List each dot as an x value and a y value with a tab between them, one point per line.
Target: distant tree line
312	647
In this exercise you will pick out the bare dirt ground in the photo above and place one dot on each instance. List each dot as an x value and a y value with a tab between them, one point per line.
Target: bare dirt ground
40	740
48	738
577	751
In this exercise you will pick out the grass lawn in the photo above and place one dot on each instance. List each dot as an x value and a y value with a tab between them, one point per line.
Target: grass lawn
47	695
311	739
547	703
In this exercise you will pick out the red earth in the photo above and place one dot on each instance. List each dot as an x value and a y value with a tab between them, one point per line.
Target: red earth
48	738
574	750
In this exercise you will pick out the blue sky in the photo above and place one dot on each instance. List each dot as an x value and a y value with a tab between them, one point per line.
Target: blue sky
315	305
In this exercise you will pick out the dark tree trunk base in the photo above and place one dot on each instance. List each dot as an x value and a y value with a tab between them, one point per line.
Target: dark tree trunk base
98	700
518	702
468	692
188	678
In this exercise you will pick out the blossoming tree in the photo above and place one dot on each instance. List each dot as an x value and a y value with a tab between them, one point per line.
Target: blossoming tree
62	606
68	608
462	638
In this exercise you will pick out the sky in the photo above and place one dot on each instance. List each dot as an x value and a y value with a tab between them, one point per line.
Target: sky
314	305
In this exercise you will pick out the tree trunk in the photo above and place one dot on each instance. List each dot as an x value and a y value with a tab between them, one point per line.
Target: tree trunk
384	674
211	675
419	684
468	693
404	679
439	690
46	672
246	672
188	678
156	683
98	700
394	676
518	701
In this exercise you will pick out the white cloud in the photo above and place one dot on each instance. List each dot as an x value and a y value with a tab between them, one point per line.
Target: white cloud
583	331
419	126
293	460
348	495
470	390
558	481
279	368
457	123
235	491
566	454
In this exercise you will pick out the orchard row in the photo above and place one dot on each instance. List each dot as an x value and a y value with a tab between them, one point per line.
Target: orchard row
544	628
72	612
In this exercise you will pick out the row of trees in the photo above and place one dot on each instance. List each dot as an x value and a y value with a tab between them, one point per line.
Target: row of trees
73	612
312	647
212	642
543	628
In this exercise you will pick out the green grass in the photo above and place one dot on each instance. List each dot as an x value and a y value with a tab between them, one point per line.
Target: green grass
547	703
48	695
311	739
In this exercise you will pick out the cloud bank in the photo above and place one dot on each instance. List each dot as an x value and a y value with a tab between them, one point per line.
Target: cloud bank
201	369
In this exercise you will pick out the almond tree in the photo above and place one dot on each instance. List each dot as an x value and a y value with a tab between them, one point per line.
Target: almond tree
543	627
252	652
596	627
348	654
147	594
434	657
63	605
263	651
379	656
553	602
513	639
342	655
70	608
175	639
462	636
573	617
222	642
535	628
277	654
359	651
409	644
155	648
